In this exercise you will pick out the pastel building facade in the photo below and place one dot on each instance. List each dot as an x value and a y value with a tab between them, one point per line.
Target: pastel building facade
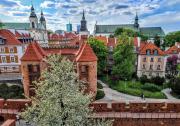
151	61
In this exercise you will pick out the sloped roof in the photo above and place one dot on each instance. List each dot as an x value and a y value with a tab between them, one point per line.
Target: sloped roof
17	26
86	54
150	46
111	28
10	37
102	38
173	50
33	53
152	31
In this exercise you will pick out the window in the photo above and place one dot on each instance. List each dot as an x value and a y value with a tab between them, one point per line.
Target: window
156	52
14	68
2	41
150	74
157	74
144	60
151	67
12	59
148	52
2	50
144	66
83	69
152	59
159	59
159	67
33	25
5	68
3	59
11	50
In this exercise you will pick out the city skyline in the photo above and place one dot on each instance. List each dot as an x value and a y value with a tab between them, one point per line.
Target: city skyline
59	12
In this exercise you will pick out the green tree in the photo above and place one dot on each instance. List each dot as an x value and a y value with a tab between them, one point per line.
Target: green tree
59	99
172	38
120	31
124	58
1	25
101	52
157	41
130	33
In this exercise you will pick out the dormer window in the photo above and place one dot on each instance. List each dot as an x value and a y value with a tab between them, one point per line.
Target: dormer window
11	50
148	52
156	52
2	41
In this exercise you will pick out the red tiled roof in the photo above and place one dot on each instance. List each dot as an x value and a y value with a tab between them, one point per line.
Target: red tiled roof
86	54
150	46
10	37
111	42
102	38
33	53
173	50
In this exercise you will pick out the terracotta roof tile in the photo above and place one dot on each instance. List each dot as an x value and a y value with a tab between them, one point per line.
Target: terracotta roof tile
10	37
173	50
86	54
33	53
150	46
103	39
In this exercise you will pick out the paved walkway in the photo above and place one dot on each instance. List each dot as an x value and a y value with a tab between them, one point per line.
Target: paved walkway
167	92
113	95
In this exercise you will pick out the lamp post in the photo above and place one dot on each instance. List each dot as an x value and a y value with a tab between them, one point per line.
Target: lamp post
125	83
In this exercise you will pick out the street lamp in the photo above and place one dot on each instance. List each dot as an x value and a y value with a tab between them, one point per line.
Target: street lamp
125	83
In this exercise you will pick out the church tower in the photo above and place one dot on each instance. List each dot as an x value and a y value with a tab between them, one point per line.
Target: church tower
136	24
33	19
42	21
83	28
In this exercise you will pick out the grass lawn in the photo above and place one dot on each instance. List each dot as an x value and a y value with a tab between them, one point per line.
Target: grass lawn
136	88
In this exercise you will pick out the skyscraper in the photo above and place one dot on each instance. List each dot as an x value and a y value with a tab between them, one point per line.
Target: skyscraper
69	27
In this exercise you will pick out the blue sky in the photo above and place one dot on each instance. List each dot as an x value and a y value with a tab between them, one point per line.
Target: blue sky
164	13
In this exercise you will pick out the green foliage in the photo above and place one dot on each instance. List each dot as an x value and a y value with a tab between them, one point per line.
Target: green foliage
175	85
151	87
157	41
99	86
158	80
60	98
172	38
100	94
144	79
136	89
1	25
101	52
11	92
124	58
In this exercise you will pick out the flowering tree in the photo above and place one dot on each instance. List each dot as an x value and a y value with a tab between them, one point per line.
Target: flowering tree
172	66
59	99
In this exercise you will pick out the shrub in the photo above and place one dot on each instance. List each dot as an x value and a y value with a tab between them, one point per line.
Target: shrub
99	86
151	87
100	94
175	85
158	80
144	79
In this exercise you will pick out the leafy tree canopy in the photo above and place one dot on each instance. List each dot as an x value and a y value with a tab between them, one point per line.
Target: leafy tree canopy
172	38
101	52
130	33
59	99
124	57
1	25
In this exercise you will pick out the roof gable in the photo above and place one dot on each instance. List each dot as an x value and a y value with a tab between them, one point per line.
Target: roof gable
33	53
86	54
10	37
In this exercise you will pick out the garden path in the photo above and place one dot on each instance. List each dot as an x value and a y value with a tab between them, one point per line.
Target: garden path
113	95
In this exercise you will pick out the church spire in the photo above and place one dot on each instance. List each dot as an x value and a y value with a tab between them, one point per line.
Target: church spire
83	23
83	17
33	14
136	23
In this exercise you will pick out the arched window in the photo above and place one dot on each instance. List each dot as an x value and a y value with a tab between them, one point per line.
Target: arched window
155	52
148	52
33	25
